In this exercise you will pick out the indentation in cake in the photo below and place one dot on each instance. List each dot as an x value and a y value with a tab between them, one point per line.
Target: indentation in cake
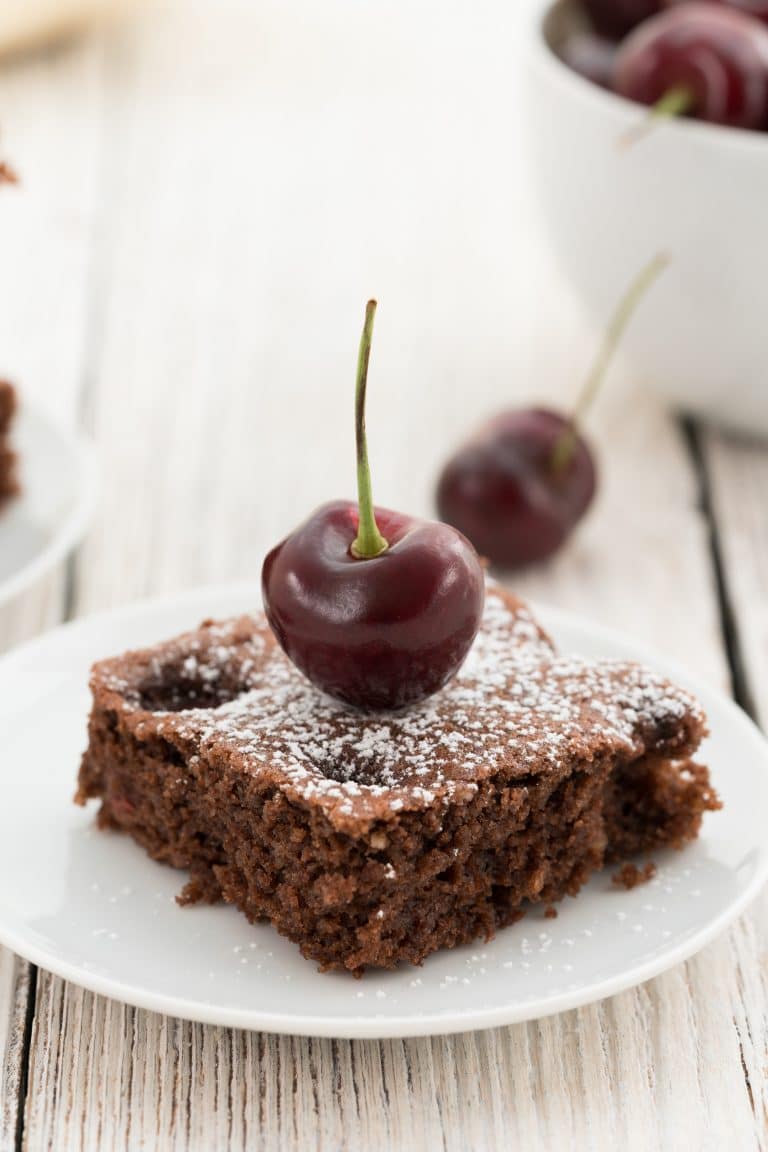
201	671
190	681
370	772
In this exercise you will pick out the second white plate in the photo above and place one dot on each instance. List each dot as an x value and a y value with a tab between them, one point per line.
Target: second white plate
39	527
93	908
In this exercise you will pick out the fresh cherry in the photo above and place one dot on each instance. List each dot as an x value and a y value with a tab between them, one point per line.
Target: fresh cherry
518	489
614	18
504	492
756	8
700	59
376	608
591	56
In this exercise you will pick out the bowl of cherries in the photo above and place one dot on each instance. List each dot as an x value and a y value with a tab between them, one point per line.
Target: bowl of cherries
648	130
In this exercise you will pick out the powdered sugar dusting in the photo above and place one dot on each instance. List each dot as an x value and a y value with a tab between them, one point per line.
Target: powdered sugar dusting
514	706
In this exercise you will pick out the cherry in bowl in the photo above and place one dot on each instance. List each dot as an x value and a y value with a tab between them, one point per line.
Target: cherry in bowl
376	608
703	60
615	18
756	8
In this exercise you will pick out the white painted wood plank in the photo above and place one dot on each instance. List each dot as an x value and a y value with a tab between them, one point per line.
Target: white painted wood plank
738	476
14	999
21	619
49	125
644	547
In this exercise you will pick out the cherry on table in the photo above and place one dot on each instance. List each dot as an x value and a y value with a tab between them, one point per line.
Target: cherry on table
504	492
376	608
520	487
614	18
699	59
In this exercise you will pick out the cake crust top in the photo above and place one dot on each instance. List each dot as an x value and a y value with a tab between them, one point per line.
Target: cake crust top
515	707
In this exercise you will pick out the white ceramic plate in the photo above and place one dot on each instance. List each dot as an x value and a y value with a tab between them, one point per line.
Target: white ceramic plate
39	527
93	908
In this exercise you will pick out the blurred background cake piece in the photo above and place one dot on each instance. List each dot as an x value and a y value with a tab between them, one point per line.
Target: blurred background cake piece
8	477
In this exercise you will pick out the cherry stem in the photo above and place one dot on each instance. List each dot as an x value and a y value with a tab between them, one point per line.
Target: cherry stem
369	542
676	101
566	443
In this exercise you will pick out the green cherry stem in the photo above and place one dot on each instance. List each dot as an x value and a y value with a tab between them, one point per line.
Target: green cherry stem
563	450
675	102
369	542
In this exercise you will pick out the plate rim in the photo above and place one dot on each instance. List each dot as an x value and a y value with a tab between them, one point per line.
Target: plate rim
70	531
379	1027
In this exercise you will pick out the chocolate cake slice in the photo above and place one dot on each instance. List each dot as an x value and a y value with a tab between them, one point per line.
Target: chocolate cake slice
374	839
9	485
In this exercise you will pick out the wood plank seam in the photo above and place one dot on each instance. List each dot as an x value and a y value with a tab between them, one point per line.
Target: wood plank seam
740	689
29	1019
14	1070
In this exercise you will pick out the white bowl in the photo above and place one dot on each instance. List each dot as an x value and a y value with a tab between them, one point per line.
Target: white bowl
697	190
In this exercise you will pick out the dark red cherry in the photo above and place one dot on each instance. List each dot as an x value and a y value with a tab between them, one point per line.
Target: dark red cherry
591	56
376	608
756	8
519	488
614	18
704	60
506	492
381	632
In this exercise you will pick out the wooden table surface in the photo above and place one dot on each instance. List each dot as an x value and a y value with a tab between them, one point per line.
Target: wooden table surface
210	192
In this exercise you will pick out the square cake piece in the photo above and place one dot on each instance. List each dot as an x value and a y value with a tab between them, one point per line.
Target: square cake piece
374	839
9	485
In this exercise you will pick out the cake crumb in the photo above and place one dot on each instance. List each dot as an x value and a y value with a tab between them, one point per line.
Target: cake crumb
550	912
630	876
